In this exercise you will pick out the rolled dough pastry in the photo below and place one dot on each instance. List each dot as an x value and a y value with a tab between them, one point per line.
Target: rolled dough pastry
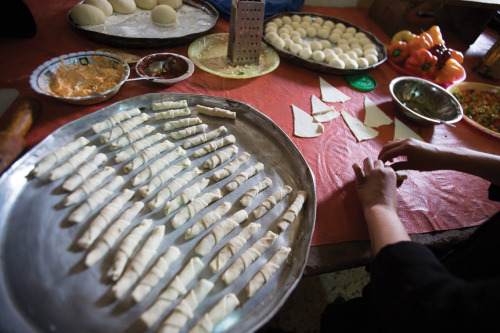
164	177
156	273
215	112
166	105
163	14
85	14
214	145
292	211
124	127
220	157
117	117
195	206
244	176
220	311
206	221
188	131
147	154
72	163
172	113
174	124
231	167
252	193
271	201
131	137
84	172
89	186
153	168
57	156
138	146
267	271
220	231
173	187
188	194
203	138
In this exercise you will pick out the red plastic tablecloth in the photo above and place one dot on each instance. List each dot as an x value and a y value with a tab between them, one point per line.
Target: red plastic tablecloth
428	201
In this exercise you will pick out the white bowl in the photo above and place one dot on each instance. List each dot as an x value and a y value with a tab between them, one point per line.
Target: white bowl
41	77
169	67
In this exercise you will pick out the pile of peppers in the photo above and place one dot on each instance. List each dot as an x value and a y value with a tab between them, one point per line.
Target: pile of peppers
426	55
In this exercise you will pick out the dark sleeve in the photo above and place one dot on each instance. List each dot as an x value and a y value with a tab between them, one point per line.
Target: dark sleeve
494	192
413	292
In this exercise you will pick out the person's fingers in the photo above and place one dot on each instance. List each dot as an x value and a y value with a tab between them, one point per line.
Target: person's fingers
368	164
403	165
393	152
358	171
378	164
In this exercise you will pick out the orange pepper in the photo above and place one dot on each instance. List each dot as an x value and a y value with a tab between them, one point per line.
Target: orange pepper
450	71
435	33
457	55
422	41
398	52
421	63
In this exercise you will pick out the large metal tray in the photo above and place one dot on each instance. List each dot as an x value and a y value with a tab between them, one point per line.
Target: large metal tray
324	67
44	286
196	18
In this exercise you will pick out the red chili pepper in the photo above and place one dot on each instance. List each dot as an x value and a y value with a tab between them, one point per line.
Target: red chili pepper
398	52
421	63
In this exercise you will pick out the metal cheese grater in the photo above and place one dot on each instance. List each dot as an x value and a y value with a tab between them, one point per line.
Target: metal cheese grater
245	31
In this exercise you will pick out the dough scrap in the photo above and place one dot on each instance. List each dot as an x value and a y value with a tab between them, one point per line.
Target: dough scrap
195	206
248	257
57	156
72	163
111	235
231	167
88	186
175	124
214	145
176	288
215	112
163	177
105	216
271	201
188	194
174	113
220	311
126	248
166	105
147	154
220	157
173	187
115	119
232	247
84	172
293	210
244	176
267	271
123	128
131	137
153	168
93	201
138	146
189	131
206	221
139	262
252	193
156	273
220	231
205	137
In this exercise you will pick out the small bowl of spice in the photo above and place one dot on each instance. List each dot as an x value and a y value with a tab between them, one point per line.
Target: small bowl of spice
424	102
166	68
81	78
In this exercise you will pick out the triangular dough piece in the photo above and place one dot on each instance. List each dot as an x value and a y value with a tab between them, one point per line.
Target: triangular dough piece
321	112
360	130
401	131
374	117
304	125
331	94
326	117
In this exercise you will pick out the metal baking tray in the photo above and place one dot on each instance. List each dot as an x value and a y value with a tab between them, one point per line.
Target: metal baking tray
44	285
196	18
324	67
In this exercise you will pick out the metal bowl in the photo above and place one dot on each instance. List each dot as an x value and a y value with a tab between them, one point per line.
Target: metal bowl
169	67
42	76
424	102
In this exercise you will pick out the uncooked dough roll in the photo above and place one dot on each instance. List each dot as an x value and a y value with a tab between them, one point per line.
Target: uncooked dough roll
85	14
213	146
174	124
72	163
52	159
206	221
220	311
173	187
267	271
88	186
244	176
138	146
248	197
172	113
157	165
124	127
215	112
131	137
220	157
116	118
147	154
163	177
163	14
203	138
271	201
231	167
186	195
166	105
188	131
292	211
195	206
83	172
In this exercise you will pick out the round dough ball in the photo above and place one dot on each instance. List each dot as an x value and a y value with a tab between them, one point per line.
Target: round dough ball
146	4
103	5
272	24
294	34
329	24
369	46
271	36
270	29
352	54
362	62
316	26
334	37
372	59
316	45
311	32
345	47
330	56
295	48
337	50
370	51
318	56
338	31
278	21
352	41
302	32
305	25
364	40
305	53
340	26
360	35
344	57
337	63
295	25
288	42
279	43
297	39
285	35
329	51
351	30
356	46
318	20
83	14
347	35
358	51
305	45
282	30
175	4
323	33
288	27
307	18
286	19
296	18
326	44
351	64
163	14
123	6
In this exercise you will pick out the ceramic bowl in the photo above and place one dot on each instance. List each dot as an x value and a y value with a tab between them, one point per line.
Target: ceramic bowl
424	102
169	68
42	76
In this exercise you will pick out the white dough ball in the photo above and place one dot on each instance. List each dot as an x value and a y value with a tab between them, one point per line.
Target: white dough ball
364	40
358	51
372	59
345	47
146	4
279	43
334	37
330	56
123	6
282	30
370	51
305	45
340	26
297	39
316	45
272	24
352	54
295	48
286	19
342	41
325	43
356	46
302	32
318	56
318	20
344	57
305	25
337	63
175	4
316	26
352	41
360	35
329	51
288	27
285	35
296	18
288	43
311	32
278	21
295	25
294	34
338	31
362	62
323	33
347	35
351	30
351	64
163	14
270	29
369	46
83	14
329	24
307	18
272	36
305	53
103	5
337	50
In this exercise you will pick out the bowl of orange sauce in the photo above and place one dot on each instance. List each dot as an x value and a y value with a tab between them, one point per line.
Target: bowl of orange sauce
165	68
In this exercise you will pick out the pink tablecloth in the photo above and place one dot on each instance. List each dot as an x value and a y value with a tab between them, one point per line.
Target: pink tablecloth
428	201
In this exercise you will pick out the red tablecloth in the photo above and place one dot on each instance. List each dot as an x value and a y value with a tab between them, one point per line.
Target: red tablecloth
428	201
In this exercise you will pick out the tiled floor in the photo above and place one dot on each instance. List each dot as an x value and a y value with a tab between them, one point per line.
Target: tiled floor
302	311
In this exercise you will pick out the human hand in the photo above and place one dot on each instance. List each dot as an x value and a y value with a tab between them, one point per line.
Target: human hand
419	155
376	185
